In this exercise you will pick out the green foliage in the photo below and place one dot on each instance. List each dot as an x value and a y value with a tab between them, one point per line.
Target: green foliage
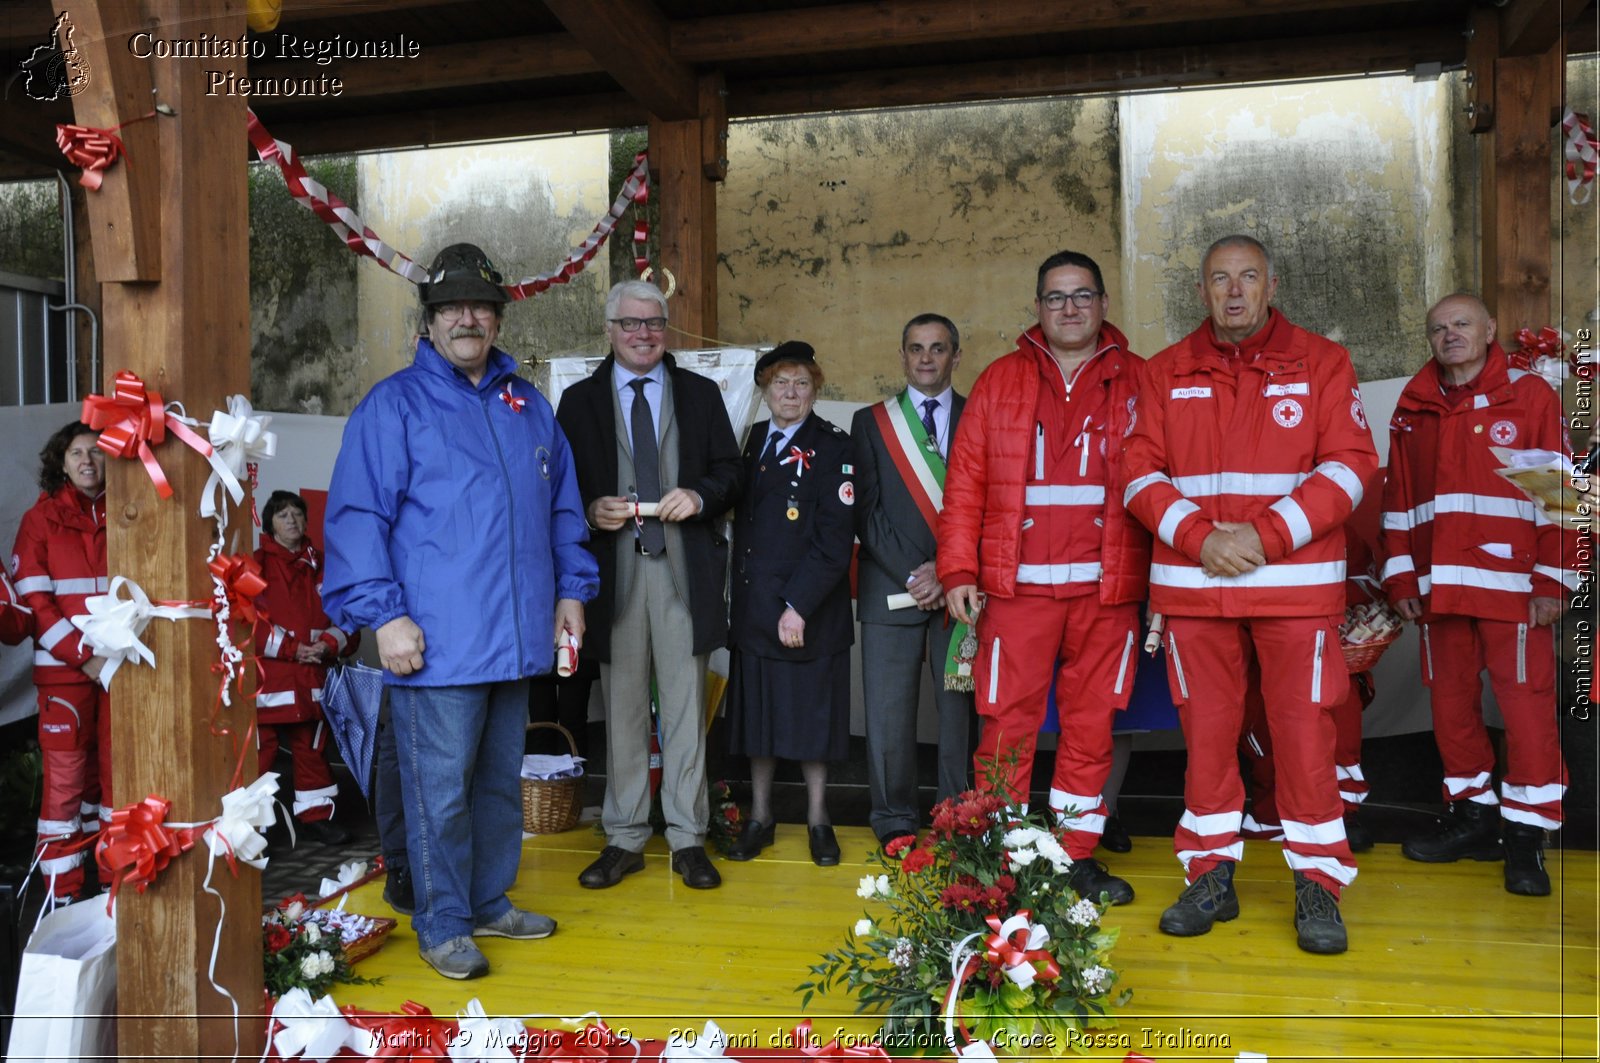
30	229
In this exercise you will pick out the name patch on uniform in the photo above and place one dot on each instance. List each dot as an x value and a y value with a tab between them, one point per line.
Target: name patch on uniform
1301	388
1191	393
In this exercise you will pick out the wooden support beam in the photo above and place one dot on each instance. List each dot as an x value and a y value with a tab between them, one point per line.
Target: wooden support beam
630	39
444	66
431	128
687	231
1153	68
186	332
124	213
1483	50
908	23
1515	189
1531	27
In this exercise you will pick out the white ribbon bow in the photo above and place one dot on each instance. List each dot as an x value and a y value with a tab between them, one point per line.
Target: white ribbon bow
349	874
711	1044
238	438
313	1030
113	624
246	812
486	1040
1024	972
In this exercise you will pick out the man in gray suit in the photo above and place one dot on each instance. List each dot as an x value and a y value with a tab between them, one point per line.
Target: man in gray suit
648	437
900	448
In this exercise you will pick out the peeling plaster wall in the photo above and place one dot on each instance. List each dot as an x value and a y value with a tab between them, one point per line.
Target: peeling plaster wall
837	230
526	204
1347	183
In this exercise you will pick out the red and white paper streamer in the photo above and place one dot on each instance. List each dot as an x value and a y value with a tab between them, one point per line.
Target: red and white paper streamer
1583	155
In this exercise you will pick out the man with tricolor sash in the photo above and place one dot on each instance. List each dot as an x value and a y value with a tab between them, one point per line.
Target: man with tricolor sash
1036	550
900	448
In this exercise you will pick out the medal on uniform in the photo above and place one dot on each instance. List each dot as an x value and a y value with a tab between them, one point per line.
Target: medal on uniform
793	512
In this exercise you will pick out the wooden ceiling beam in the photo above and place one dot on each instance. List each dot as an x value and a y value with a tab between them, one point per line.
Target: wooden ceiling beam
28	130
631	39
901	23
468	123
1530	27
444	66
1156	68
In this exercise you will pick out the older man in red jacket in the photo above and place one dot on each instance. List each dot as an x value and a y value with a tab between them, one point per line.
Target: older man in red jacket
1033	523
1249	455
1482	570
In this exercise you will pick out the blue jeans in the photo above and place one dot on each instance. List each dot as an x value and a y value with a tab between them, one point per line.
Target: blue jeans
460	755
387	808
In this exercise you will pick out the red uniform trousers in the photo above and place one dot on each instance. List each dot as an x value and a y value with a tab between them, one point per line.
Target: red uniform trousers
75	746
1262	821
1521	663
1020	641
1302	678
306	740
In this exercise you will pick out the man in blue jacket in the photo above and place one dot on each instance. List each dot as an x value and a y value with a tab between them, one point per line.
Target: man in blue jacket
455	531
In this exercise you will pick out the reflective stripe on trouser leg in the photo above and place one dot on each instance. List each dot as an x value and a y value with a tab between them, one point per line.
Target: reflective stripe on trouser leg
1456	697
1207	662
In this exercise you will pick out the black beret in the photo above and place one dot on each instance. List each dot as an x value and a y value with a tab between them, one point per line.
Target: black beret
787	351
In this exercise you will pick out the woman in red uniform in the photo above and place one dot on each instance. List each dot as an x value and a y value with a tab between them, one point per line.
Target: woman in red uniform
59	562
295	642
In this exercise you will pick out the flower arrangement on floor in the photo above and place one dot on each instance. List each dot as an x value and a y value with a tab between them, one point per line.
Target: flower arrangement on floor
726	821
982	939
299	952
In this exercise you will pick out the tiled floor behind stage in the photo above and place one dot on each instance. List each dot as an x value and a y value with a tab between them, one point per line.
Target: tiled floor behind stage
1443	964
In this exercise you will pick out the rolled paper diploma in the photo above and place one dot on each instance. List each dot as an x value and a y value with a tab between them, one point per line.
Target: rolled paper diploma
567	655
645	509
901	601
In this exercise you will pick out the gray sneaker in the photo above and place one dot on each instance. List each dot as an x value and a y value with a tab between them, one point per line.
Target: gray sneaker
457	958
519	924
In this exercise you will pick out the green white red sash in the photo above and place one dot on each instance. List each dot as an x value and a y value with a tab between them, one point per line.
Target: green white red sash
913	453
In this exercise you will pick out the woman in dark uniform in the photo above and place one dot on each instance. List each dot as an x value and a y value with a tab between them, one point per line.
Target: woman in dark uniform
791	630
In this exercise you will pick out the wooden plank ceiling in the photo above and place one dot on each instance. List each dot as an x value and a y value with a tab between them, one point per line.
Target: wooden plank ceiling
492	70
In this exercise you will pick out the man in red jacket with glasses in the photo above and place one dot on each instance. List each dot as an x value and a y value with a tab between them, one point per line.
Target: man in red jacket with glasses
1249	455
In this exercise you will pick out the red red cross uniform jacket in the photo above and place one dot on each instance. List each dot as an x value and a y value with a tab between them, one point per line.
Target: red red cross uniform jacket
1474	550
1269	433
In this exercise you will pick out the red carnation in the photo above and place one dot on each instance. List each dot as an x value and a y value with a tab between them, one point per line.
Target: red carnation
917	861
900	844
278	938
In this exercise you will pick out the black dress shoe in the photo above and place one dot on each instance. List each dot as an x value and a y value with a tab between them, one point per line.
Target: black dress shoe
755	837
1114	839
824	846
695	867
324	832
608	870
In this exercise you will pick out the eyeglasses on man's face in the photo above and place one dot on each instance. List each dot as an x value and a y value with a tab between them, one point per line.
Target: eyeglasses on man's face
1083	299
456	311
634	324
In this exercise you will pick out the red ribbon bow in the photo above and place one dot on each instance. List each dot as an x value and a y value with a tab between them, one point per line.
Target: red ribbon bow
1012	950
90	148
515	402
1545	343
412	1034
130	419
136	846
242	580
803	457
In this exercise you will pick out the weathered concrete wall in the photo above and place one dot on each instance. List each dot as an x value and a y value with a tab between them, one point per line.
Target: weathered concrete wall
1346	182
838	229
526	204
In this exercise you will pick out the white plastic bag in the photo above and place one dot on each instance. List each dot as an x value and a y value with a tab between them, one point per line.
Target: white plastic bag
67	988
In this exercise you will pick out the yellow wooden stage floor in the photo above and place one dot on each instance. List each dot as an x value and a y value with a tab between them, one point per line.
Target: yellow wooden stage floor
1443	963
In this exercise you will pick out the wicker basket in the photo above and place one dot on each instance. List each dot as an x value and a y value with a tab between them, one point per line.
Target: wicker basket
550	806
1361	656
367	944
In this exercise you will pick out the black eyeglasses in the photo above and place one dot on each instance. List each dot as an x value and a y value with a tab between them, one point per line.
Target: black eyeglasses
1083	299
633	324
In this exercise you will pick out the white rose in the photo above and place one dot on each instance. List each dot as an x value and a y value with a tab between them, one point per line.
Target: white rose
313	933
863	927
292	914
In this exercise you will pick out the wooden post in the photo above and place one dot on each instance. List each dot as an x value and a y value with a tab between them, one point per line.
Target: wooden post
687	159
178	316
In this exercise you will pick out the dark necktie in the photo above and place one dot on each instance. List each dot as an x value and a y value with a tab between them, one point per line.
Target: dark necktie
769	456
928	406
646	466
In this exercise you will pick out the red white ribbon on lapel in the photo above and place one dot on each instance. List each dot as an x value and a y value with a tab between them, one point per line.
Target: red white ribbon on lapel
802	457
1583	154
514	401
347	224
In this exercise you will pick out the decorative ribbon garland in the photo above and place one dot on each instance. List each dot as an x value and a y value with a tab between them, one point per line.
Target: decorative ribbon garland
1583	155
347	224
